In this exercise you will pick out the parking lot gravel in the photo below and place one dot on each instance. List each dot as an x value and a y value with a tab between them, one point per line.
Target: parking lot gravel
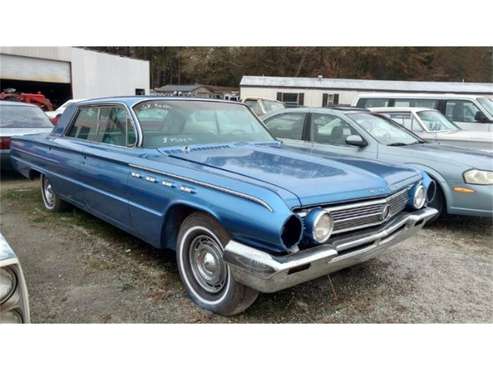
82	270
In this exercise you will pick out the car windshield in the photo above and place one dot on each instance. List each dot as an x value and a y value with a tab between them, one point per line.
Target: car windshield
272	106
383	130
435	121
167	123
487	104
23	116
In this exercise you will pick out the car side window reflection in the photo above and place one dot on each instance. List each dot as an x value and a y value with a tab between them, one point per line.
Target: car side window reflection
287	125
329	129
461	111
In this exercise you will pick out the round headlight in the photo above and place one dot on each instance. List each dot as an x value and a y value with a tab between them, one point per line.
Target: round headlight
419	197
323	224
11	317
8	283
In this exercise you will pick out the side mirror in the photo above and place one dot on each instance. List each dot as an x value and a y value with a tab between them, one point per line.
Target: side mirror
356	140
481	117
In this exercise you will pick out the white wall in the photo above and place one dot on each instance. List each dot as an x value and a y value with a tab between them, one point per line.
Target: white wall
312	98
97	74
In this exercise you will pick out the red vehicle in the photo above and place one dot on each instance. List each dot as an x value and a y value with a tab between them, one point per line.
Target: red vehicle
33	98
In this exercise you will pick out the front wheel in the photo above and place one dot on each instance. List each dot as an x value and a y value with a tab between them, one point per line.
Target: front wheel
204	273
51	201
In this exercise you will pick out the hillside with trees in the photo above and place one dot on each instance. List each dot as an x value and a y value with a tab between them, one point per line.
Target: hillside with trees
226	65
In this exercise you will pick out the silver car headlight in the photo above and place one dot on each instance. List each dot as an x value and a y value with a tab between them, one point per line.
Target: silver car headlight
478	177
8	283
419	199
319	225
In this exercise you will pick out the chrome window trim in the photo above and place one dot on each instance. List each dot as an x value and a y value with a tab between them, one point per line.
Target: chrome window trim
207	185
136	129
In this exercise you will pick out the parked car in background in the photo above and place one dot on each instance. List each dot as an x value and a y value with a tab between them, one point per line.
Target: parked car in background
464	177
470	112
263	106
205	178
431	125
19	119
55	115
14	300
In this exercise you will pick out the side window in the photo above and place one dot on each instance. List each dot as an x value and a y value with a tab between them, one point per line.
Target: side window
108	124
405	119
287	125
425	103
402	103
329	129
461	111
115	127
86	124
255	106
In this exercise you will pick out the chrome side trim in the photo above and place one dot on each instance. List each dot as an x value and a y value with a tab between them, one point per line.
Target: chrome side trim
35	155
207	185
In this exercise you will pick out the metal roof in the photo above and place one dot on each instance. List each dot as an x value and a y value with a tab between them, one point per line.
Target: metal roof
367	85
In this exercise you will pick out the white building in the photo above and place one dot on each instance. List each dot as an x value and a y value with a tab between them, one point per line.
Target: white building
62	73
320	92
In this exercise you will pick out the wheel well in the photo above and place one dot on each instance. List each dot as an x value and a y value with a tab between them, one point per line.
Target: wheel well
173	219
440	188
33	174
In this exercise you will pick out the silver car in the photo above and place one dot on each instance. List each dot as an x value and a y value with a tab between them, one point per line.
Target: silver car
431	125
464	177
14	302
17	119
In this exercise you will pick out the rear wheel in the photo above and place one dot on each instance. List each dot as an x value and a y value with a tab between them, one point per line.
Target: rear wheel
51	201
204	273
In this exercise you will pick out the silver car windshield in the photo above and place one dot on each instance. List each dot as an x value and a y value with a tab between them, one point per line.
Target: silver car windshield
435	121
168	123
487	104
22	116
383	130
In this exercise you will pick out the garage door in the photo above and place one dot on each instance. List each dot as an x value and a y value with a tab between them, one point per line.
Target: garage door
13	67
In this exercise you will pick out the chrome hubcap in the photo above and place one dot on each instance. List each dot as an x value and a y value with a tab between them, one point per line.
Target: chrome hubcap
48	193
207	264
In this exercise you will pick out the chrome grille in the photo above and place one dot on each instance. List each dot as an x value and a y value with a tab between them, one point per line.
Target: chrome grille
366	214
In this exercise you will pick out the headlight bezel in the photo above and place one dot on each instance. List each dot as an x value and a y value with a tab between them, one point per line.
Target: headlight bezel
14	282
421	191
312	221
469	174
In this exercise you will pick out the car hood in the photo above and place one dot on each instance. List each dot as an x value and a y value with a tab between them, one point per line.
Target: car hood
431	153
313	179
23	131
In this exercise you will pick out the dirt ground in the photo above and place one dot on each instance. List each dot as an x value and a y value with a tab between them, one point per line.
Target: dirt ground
80	269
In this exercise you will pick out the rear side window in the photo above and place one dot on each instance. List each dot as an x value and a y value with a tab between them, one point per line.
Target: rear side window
419	103
405	119
22	116
107	124
287	125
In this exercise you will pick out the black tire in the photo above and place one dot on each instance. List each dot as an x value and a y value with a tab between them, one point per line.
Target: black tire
438	203
51	201
201	235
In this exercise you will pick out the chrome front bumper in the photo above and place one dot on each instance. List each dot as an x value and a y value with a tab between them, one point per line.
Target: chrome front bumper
268	273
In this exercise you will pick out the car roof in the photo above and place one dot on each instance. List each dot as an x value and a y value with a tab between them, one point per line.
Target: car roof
421	95
132	100
399	109
18	103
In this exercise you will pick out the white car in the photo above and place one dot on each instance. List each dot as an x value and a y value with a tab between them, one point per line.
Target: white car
431	125
17	119
263	106
14	301
55	115
469	112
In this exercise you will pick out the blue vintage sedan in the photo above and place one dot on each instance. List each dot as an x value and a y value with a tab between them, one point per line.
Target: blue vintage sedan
464	177
244	212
